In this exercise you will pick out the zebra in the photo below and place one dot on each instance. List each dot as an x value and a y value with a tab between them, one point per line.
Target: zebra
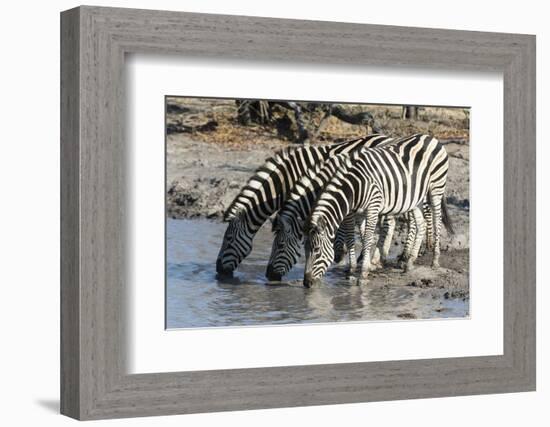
287	226
266	191
387	180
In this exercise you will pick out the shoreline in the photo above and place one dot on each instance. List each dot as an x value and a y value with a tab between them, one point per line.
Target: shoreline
416	294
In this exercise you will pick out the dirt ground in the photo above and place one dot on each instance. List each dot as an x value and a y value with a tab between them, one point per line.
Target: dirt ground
210	157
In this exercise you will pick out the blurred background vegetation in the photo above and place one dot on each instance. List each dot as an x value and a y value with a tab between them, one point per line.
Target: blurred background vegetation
235	122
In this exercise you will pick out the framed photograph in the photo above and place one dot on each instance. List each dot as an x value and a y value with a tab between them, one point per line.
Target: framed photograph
262	213
235	154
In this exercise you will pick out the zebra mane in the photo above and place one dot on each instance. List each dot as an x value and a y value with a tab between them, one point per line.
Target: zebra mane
236	207
315	222
338	161
348	162
283	215
318	219
311	174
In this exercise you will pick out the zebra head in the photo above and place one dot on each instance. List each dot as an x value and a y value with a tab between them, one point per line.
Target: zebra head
236	245
286	246
319	250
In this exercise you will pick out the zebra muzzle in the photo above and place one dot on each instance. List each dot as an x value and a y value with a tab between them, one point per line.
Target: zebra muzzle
272	275
310	281
223	272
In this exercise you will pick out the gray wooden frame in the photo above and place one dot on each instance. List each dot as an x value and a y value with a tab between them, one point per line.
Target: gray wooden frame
94	382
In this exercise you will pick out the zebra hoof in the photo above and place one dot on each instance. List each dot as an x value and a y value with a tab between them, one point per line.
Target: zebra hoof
377	265
435	266
408	268
362	281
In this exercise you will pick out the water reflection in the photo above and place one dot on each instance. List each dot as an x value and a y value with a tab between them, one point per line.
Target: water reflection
196	298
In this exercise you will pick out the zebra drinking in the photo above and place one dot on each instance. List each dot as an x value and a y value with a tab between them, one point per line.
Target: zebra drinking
267	190
388	180
289	222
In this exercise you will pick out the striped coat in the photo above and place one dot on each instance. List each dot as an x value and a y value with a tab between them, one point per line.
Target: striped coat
388	180
267	190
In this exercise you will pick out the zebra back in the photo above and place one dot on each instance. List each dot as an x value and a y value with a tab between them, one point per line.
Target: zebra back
267	189
401	172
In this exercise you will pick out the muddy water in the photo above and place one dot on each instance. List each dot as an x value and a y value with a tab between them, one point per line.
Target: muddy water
195	298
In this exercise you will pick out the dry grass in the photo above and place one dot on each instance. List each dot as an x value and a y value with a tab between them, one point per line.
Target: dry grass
444	123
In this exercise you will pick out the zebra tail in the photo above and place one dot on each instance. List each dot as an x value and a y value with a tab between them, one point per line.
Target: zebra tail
445	216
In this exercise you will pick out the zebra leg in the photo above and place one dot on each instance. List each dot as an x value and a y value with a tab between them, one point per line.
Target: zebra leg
388	229
368	225
436	212
420	227
348	227
340	248
409	242
375	260
429	226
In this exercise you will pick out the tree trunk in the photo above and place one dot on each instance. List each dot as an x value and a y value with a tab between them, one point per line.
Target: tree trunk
303	134
410	112
243	112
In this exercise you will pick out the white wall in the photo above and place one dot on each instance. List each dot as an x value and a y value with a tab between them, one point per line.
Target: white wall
29	212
